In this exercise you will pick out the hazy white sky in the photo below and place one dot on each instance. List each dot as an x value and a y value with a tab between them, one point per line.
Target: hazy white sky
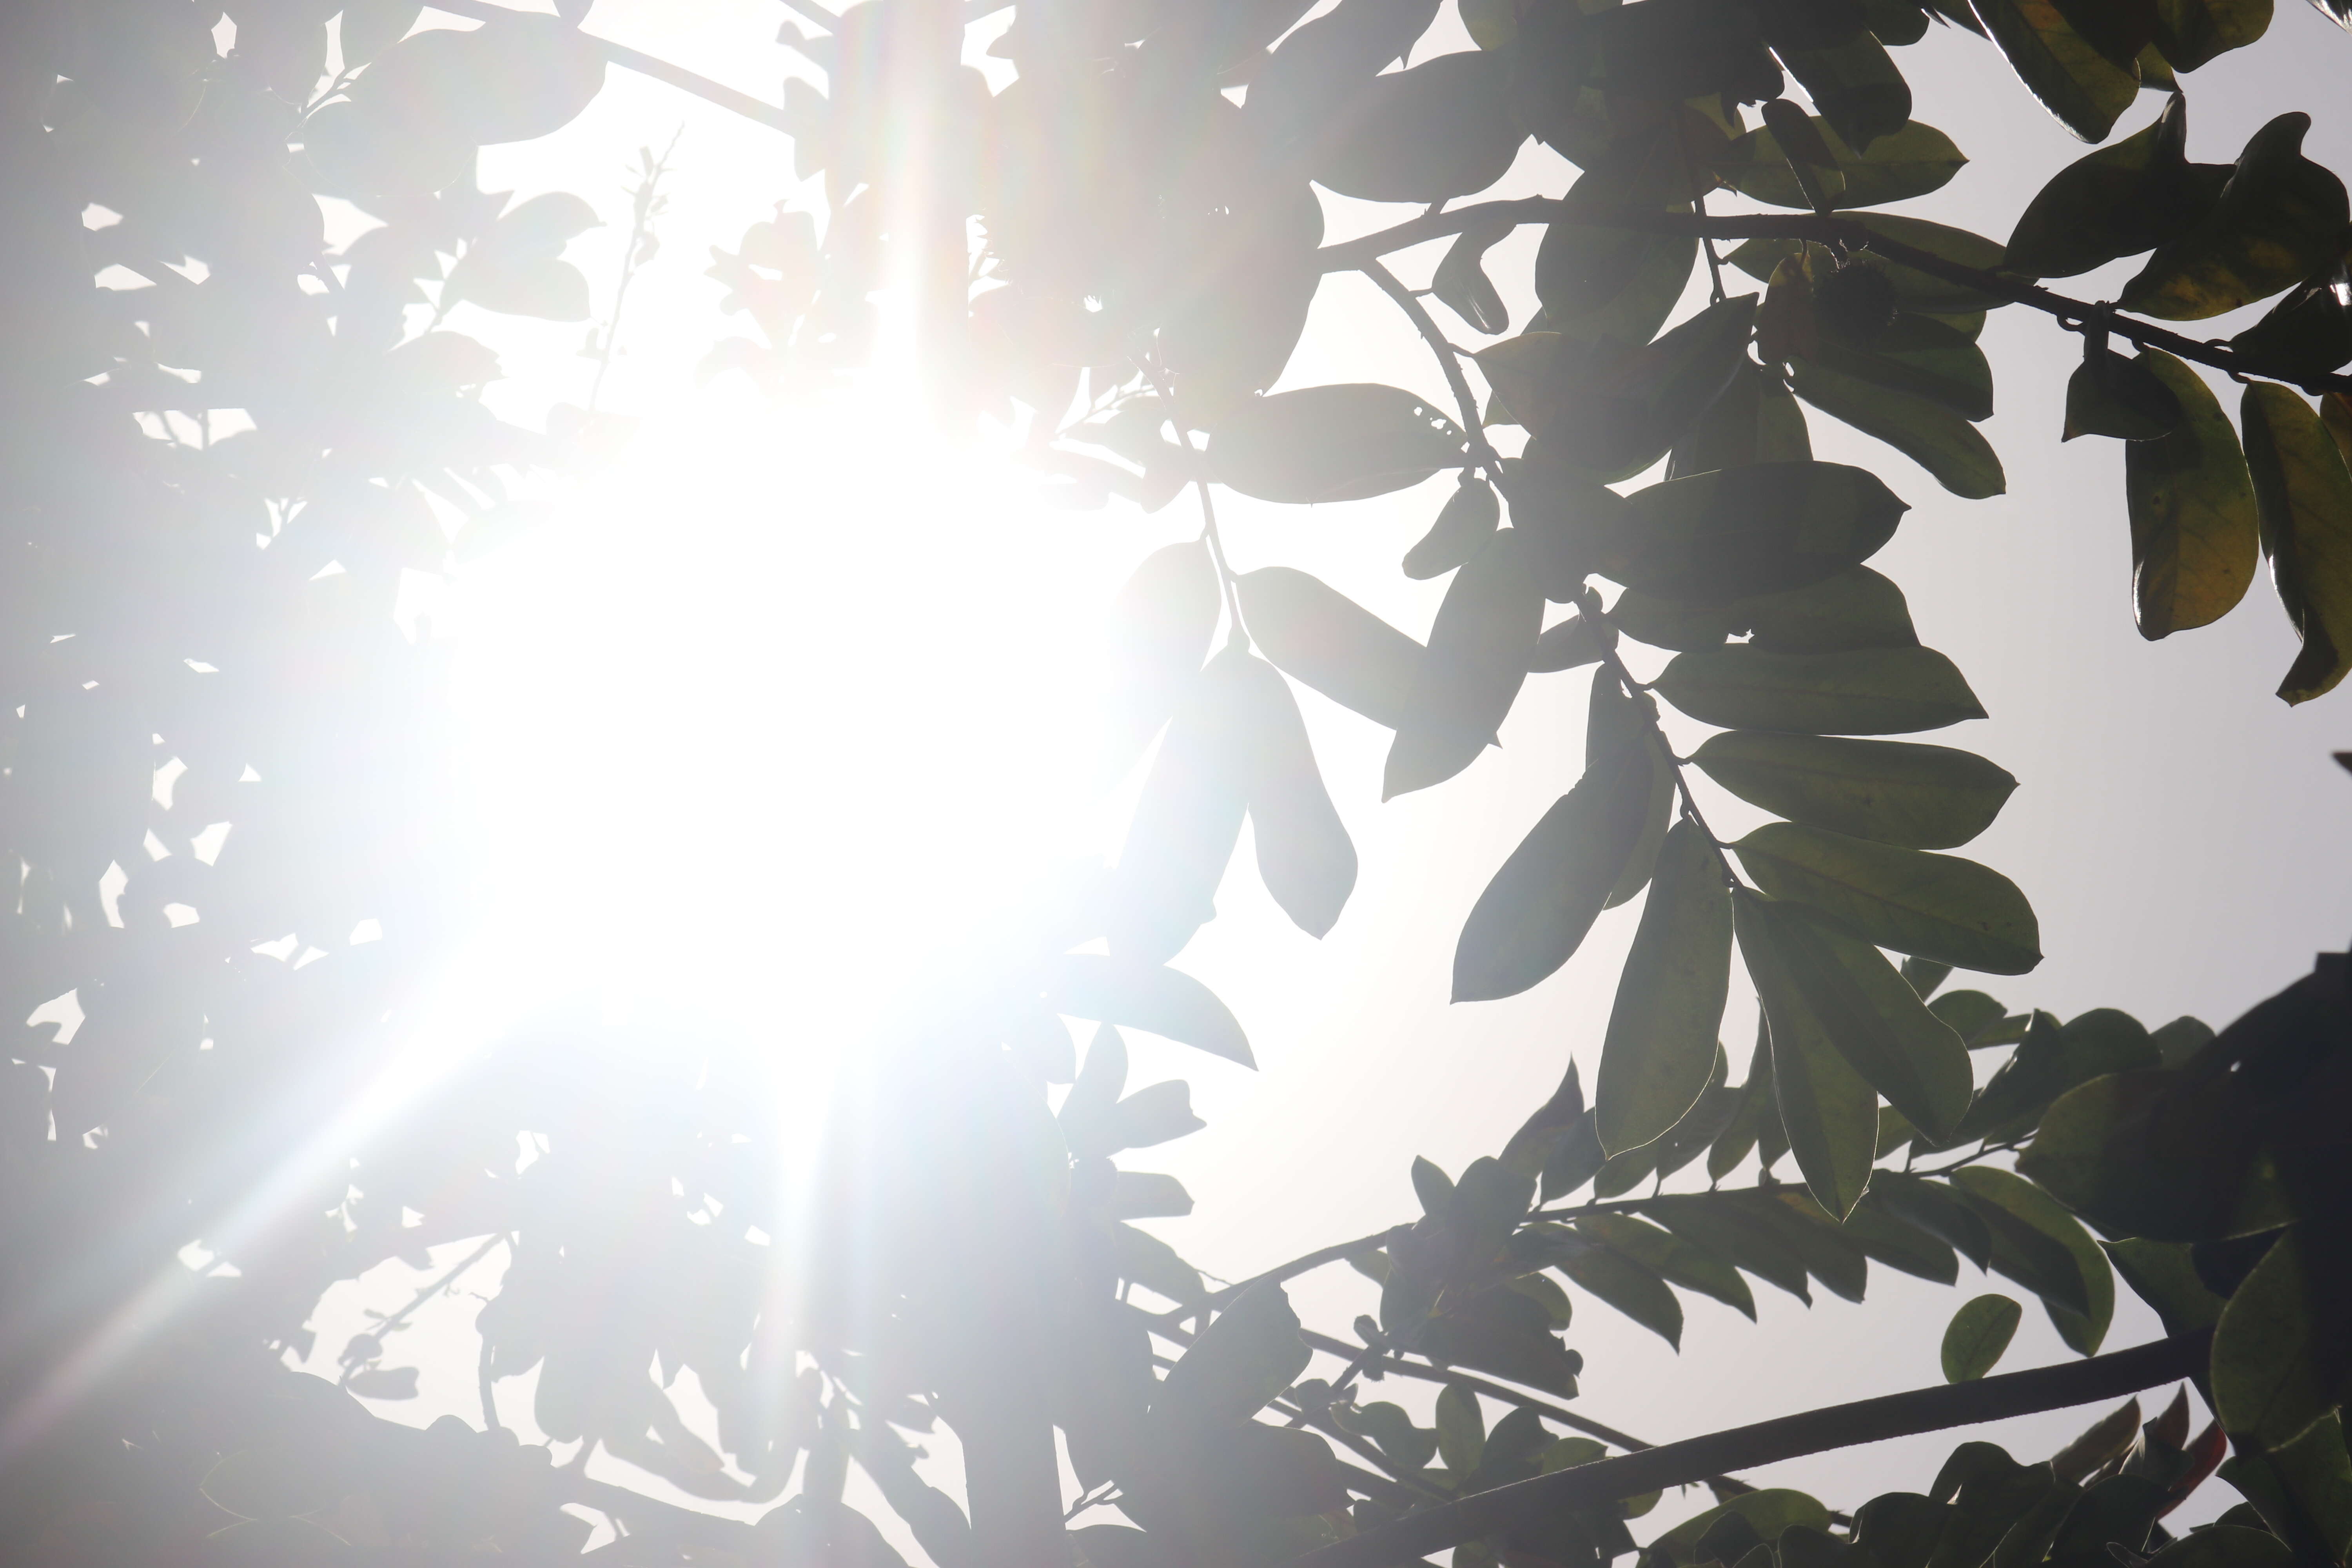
841	671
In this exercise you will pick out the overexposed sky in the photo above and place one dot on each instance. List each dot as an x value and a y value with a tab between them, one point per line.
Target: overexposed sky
782	698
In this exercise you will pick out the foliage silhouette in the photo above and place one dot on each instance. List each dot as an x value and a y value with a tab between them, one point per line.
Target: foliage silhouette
962	1253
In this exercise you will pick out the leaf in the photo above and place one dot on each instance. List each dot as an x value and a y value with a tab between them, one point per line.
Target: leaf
2225	1546
1765	528
2303	496
1970	1013
1915	356
1924	974
2308	333
1534	914
370	26
2192	33
1941	441
1915	290
1857	608
1660	1040
2116	202
1479	649
1610	414
1187	819
1146	996
1155	1114
1315	634
1461	1429
1331	443
2195	534
514	78
1574	642
1161	624
2084	1330
1831	1112
1304	853
1602	283
2083	88
1874	691
2162	1275
1977	1335
1674	1260
1911	162
1753	420
1617	721
1408	1446
2266	1377
1629	1286
1851	996
1924	797
1426	134
1855	86
1885	1237
1143	1258
2280	218
1138	1194
1461	283
1937	906
1768	1510
1935	1208
2051	1060
1250	1353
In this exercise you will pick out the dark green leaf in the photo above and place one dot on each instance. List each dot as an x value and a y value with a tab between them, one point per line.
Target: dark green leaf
2111	395
1924	974
2081	1328
1928	433
1715	1227
1332	443
1878	691
2225	1546
1674	1260
1629	1286
1937	906
1911	162
1977	1335
1601	283
2075	82
1925	292
1855	86
1857	608
1479	651
1970	1013
2279	219
1435	132
2195	534
1660	1040
1927	797
1897	1243
1610	414
2308	333
1317	636
2116	202
1765	528
2192	32
2161	1274
1187	819
1831	1112
1753	420
1740	1134
1768	1511
1935	1208
2303	495
1461	1429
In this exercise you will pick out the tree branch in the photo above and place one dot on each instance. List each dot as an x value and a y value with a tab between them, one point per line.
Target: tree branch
1769	1442
644	64
2075	315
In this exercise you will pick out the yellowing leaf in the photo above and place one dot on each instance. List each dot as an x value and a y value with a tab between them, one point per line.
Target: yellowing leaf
2302	494
2195	537
2083	88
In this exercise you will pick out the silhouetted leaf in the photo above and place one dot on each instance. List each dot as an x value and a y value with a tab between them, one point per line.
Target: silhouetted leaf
2083	1328
1753	420
1434	132
1572	642
1479	649
2111	395
1315	634
1461	283
1304	853
1977	1335
1831	1112
1876	691
2116	202
2078	81
1926	797
1768	1510
2191	33
1141	996
1941	441
1158	633
1855	86
1938	905
1661	1039
1331	443
2303	496
1249	1354
1631	1288
1765	528
1602	283
1911	162
2195	534
2279	219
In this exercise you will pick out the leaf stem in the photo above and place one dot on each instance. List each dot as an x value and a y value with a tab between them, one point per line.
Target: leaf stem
1209	534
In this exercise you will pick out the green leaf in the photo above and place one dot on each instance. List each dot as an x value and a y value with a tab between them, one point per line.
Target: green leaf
2158	1153
1187	820
1601	283
2191	33
2303	496
1831	1112
1855	86
1876	691
1304	855
2266	1378
2279	219
1765	528
1509	1333
1534	914
2225	1545
1923	292
1714	1225
1426	134
1753	420
1616	721
1319	637
1886	1238
1970	1013
1250	1353
1924	797
1738	1135
2195	534
1149	997
1847	991
1463	526
1911	162
2081	1329
1928	433
2316	1470
1408	1446
2116	202
1768	1510
2051	1060
1977	1335
2162	1274
2082	87
2111	395
1937	906
1674	1260
1629	1286
1671	622
1332	443
1479	651
1857	608
1660	1040
1935	1208
1609	413
1461	283
1461	1429
2308	333
1917	356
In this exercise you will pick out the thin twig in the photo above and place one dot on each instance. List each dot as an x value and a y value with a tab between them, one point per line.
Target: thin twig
643	203
1768	1442
644	64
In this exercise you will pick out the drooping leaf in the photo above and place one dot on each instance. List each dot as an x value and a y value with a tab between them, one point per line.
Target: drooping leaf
1978	1335
2303	496
2119	200
1935	1208
1937	906
1630	1287
2280	218
2309	332
1660	1041
1911	162
1331	443
1141	996
1911	354
1479	651
2194	527
1304	853
1923	797
1536	911
2084	1330
1857	608
1831	1112
1315	634
2063	65
1873	691
2111	395
1928	433
1765	528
